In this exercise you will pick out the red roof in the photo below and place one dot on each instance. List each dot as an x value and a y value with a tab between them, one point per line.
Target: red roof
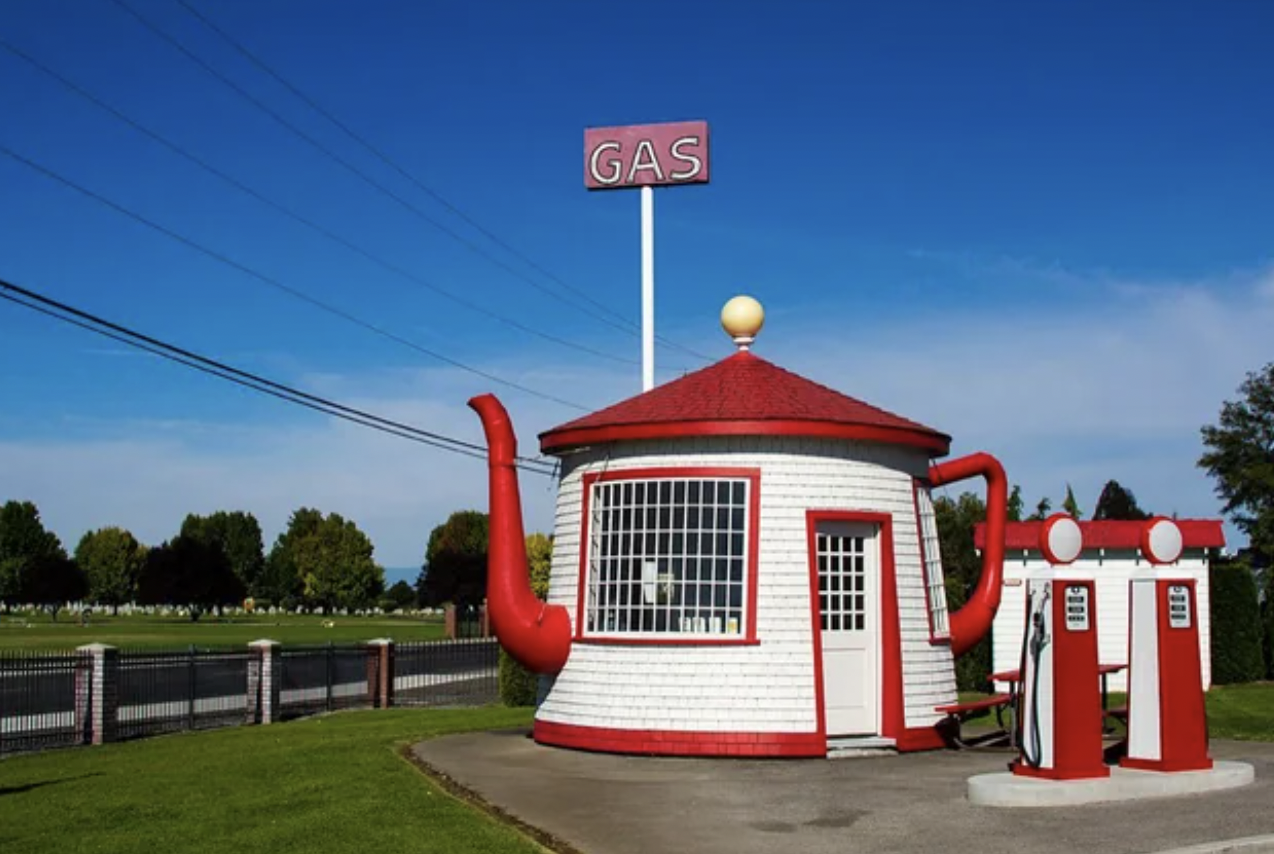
1108	534
743	395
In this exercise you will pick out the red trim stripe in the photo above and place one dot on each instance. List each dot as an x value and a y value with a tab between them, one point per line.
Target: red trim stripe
679	742
560	440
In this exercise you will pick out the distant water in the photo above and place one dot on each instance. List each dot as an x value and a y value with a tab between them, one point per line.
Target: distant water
394	574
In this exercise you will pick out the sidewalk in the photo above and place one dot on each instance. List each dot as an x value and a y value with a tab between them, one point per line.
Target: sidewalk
605	804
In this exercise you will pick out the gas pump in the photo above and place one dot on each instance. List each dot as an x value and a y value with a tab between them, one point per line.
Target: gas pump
1059	696
1167	718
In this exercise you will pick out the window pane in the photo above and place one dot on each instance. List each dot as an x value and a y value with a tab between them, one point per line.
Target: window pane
694	529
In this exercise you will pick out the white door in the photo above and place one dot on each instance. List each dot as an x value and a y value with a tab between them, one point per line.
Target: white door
847	581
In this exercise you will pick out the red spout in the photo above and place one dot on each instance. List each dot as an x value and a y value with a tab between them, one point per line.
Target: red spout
972	622
538	635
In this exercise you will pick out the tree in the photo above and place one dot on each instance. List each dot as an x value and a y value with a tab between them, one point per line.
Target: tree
1115	502
1070	505
186	572
961	568
455	568
52	580
1240	457
238	534
399	597
1236	623
330	558
23	541
1016	505
1041	510
279	583
112	560
517	684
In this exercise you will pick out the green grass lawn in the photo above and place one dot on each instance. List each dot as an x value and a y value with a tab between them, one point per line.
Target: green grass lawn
21	631
1239	712
328	784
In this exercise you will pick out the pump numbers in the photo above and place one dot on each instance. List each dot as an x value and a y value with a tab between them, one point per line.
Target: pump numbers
1076	609
1178	606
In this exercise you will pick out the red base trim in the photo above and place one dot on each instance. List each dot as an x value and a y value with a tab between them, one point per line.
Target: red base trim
1021	769
554	441
920	738
1168	766
680	742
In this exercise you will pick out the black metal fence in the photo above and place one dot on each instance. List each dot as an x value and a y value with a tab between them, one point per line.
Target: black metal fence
38	700
327	678
47	699
161	692
464	672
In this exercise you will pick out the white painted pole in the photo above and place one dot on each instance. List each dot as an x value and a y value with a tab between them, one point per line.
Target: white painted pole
647	288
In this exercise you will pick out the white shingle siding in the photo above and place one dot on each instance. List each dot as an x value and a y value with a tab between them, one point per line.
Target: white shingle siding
767	687
1112	572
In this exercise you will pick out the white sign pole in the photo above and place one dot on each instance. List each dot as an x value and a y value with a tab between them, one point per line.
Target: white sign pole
647	288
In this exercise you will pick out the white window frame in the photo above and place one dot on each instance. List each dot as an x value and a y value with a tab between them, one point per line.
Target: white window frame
661	614
935	589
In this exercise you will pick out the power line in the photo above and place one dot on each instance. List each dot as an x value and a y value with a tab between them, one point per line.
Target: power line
388	161
93	323
176	149
275	283
358	172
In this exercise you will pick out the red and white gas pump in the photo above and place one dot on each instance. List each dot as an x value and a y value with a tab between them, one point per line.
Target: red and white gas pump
1167	718
1059	697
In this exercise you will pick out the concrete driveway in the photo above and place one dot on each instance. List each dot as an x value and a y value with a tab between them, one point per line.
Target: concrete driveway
603	804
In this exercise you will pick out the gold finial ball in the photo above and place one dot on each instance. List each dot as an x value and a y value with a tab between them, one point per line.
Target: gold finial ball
742	317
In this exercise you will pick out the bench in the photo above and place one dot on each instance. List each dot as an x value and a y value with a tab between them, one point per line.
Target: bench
961	711
958	713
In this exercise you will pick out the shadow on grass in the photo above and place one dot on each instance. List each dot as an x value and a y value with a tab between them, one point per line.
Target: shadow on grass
18	790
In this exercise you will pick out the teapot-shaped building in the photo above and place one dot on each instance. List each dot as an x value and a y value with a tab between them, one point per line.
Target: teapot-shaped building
745	563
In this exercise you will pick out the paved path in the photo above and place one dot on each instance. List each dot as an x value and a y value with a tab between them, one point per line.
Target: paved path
896	803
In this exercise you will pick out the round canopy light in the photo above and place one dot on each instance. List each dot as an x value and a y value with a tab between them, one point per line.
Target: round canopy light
1061	539
1161	540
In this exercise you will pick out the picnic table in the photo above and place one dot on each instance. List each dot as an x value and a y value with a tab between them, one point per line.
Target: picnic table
1001	702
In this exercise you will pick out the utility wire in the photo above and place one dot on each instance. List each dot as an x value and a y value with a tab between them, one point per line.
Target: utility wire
77	317
275	283
176	149
388	161
358	172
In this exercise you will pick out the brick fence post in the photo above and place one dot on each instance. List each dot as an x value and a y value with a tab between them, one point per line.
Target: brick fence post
102	715
380	672
84	695
449	619
484	620
264	701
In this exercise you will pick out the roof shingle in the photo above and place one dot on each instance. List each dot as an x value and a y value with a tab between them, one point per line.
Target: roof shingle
743	394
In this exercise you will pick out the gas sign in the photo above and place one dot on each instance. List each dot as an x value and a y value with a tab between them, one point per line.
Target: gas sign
618	158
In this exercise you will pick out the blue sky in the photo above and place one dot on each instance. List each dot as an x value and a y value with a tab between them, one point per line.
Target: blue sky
1044	230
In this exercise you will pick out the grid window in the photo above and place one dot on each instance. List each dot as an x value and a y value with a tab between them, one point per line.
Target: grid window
668	556
842	582
933	566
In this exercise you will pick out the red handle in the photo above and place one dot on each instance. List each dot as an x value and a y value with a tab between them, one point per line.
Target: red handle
972	622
